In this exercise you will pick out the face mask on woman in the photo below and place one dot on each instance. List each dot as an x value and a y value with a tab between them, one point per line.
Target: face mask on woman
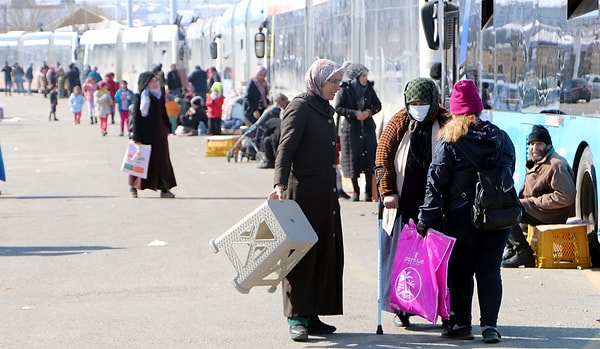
418	112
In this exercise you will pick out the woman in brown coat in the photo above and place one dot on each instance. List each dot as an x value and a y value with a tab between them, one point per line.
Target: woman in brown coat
305	171
151	125
404	150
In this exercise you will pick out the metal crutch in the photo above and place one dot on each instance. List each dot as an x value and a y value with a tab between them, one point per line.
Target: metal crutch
379	171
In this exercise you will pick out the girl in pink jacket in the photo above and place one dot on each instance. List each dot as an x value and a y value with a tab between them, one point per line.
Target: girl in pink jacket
89	87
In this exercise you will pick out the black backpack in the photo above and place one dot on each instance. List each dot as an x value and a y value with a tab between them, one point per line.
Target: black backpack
496	205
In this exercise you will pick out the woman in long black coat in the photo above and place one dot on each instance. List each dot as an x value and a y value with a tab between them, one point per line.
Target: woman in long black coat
305	170
151	126
357	102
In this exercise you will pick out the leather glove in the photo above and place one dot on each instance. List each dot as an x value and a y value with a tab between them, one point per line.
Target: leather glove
422	229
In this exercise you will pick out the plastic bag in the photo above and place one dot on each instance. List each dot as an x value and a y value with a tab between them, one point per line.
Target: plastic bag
136	159
419	274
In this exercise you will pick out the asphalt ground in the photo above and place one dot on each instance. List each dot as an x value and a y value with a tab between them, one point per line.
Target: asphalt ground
77	271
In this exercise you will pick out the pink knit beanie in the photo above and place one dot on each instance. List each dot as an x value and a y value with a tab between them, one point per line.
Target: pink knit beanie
465	98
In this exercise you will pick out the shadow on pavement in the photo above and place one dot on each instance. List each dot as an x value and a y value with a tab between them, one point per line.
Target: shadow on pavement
49	251
429	336
58	197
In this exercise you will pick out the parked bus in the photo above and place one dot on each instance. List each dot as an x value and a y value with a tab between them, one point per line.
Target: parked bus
542	57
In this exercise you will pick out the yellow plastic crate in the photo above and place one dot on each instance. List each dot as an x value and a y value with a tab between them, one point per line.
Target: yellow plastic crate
220	145
560	245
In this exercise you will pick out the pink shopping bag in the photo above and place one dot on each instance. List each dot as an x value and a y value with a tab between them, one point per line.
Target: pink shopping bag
419	274
440	246
414	286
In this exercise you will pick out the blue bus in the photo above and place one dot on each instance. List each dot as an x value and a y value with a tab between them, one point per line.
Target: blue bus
542	58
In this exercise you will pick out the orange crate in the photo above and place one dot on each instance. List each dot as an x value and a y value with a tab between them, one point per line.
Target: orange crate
560	245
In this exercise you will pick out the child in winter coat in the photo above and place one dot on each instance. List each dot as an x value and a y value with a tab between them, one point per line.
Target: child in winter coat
102	105
123	99
214	105
53	97
89	87
76	102
173	110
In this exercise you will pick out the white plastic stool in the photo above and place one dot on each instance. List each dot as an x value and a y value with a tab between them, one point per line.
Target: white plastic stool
266	244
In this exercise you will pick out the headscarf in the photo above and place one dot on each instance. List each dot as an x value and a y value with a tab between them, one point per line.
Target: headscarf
421	90
354	71
144	80
262	85
318	73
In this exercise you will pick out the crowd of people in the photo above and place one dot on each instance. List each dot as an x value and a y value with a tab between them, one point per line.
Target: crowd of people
194	102
426	177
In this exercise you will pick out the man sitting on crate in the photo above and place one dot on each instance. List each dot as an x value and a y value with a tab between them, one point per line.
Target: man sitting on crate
547	196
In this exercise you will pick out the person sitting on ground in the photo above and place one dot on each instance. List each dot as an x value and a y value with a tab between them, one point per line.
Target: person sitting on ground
272	127
547	196
236	116
188	123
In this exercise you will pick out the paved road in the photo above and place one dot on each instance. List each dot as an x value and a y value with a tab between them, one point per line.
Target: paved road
77	272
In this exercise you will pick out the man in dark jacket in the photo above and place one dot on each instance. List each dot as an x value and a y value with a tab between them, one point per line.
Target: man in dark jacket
197	82
174	81
272	130
547	196
7	69
73	76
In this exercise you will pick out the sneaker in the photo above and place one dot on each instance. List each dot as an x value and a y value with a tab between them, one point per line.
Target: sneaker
133	193
166	194
521	258
462	332
299	333
491	335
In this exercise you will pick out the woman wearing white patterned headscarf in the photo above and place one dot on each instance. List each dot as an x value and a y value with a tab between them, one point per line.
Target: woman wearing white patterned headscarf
305	172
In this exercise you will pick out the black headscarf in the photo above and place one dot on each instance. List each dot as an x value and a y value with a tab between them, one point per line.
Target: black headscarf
144	80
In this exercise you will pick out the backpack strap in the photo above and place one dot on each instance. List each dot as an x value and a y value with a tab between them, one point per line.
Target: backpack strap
466	154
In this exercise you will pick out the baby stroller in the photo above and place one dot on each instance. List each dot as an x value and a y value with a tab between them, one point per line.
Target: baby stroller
249	144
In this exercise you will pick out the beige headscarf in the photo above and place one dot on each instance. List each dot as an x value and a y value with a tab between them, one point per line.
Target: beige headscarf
318	73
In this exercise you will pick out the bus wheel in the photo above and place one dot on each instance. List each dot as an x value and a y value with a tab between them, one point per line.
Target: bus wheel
586	201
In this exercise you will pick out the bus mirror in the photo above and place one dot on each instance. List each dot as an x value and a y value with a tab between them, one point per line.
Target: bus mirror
428	18
213	50
259	45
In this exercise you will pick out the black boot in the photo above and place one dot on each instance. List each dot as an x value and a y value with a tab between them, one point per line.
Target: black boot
342	194
523	257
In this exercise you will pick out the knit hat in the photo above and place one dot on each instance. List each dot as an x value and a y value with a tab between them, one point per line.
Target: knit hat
465	98
102	84
539	134
197	101
216	87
